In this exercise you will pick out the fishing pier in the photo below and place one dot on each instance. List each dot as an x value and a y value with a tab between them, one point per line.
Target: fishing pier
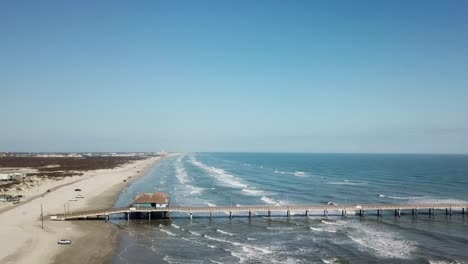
262	210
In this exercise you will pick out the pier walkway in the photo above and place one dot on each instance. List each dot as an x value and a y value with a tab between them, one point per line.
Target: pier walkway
287	210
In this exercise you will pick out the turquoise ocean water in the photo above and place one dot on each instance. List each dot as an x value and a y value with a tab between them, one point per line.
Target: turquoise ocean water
208	179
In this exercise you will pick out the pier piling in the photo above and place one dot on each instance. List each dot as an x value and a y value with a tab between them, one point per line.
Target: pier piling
397	212
250	214
288	213
191	216
269	213
307	213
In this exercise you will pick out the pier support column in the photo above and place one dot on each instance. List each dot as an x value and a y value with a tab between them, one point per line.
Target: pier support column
250	214
325	213
450	211
149	216
211	215
269	213
307	213
288	213
430	211
399	212
446	211
343	213
378	212
107	218
463	210
191	216
230	215
128	216
412	211
416	211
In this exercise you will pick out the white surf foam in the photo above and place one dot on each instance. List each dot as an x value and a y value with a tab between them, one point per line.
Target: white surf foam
194	233
220	174
167	232
347	182
295	173
444	262
269	200
181	174
224	232
383	243
299	173
253	192
210	204
330	261
223	240
423	199
322	230
195	190
176	226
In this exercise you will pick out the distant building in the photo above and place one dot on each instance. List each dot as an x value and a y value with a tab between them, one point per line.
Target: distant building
155	200
10	177
6	198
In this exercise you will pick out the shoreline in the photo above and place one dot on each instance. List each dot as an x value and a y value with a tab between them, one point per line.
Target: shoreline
92	242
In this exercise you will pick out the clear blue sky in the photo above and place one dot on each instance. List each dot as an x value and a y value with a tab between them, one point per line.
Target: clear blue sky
301	76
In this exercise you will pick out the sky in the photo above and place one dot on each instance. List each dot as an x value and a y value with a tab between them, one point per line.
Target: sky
244	76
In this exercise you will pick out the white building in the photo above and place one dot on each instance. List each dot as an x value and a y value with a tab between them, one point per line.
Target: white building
16	176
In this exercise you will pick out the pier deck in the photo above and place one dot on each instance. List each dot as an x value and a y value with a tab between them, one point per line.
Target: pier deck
249	209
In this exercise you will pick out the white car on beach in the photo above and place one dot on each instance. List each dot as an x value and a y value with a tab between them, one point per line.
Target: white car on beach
64	242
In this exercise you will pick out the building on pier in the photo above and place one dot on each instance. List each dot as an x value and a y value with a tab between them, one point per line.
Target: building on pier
151	200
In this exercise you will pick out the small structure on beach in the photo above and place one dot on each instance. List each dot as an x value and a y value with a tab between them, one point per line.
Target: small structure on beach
155	200
6	198
11	177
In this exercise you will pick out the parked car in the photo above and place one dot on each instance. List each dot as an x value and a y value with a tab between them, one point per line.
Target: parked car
64	242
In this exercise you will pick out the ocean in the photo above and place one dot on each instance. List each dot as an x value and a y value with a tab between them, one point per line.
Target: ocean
209	179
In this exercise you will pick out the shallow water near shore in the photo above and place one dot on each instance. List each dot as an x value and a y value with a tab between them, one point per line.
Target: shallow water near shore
209	179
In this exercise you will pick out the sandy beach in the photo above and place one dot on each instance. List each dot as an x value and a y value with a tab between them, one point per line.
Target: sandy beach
23	239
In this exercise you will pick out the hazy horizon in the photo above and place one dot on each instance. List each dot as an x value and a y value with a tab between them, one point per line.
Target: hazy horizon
208	76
